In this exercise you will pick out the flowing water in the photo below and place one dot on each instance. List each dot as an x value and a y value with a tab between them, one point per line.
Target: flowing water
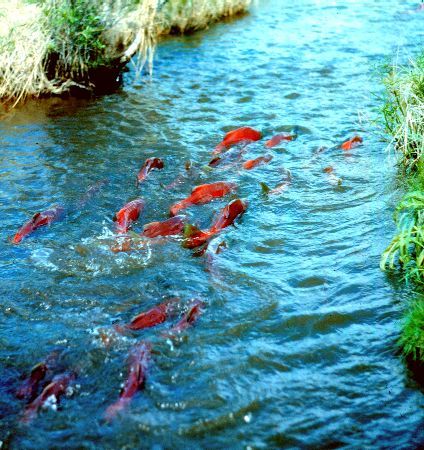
296	347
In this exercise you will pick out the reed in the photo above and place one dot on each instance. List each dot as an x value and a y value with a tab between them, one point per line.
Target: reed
52	46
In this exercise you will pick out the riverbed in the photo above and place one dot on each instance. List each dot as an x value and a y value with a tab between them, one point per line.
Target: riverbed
296	346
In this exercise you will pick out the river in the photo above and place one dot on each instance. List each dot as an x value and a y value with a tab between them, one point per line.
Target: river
296	347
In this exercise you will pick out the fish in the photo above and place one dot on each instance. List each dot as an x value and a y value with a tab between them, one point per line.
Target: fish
128	214
154	316
170	227
352	143
203	194
91	192
148	166
140	357
332	177
181	177
252	163
28	389
196	238
279	188
50	395
188	319
241	135
38	220
275	140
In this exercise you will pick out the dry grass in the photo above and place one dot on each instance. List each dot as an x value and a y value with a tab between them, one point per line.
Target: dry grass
45	48
181	16
24	42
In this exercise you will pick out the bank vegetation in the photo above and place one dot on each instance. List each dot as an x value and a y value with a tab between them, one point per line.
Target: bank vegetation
65	46
403	114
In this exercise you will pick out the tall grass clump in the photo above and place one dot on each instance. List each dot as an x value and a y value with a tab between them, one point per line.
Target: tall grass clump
53	46
403	111
412	337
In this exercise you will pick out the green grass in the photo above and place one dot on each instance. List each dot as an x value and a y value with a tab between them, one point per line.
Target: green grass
403	111
403	115
411	341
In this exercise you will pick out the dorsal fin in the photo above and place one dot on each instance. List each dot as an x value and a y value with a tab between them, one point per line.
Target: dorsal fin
265	188
190	230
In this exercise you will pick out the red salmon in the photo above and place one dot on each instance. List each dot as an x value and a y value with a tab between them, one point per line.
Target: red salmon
275	140
139	363
153	316
148	166
226	217
252	163
50	394
169	227
189	318
29	387
91	192
244	134
38	220
352	143
332	177
128	214
203	194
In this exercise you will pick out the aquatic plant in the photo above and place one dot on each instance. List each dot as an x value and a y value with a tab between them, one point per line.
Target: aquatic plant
412	337
54	46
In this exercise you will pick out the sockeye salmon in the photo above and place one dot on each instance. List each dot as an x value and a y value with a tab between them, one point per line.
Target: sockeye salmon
189	318
128	214
352	143
170	227
275	140
38	220
139	363
244	134
252	163
203	194
154	316
148	166
50	395
195	238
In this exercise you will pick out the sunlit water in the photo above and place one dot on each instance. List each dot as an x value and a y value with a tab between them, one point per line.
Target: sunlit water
296	347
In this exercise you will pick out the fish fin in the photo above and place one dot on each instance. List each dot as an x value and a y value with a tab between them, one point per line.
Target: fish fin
265	188
114	218
35	217
200	251
190	230
133	234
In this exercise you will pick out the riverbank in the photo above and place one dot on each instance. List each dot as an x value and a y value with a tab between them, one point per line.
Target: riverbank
403	113
59	47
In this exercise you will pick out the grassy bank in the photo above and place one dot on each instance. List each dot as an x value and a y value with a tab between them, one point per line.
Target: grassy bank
404	120
59	46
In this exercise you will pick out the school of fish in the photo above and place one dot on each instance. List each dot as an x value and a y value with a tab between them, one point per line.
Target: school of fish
48	381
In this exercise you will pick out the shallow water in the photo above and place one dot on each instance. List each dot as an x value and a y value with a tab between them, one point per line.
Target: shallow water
296	346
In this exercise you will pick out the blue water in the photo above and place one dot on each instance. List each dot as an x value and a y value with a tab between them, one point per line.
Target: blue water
296	347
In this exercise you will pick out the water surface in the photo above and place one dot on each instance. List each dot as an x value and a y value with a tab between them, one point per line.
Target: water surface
296	347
